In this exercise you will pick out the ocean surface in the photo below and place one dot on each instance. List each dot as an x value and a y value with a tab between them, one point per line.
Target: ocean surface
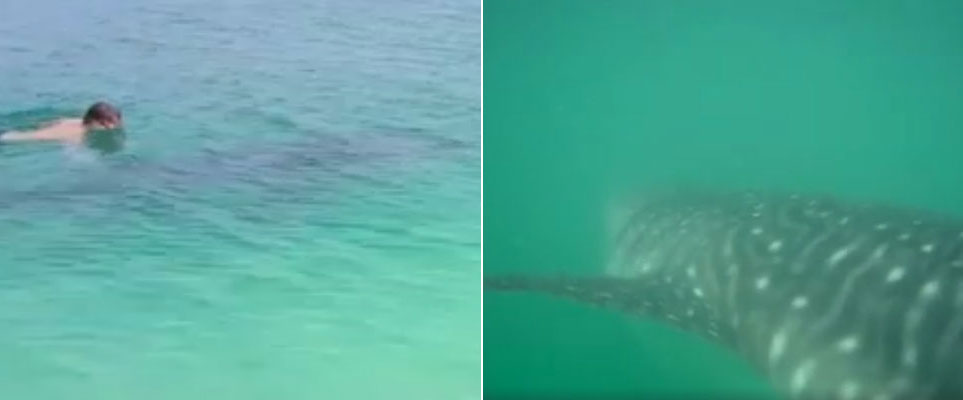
294	214
855	99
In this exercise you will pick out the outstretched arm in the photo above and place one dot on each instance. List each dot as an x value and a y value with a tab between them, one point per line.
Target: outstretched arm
26	136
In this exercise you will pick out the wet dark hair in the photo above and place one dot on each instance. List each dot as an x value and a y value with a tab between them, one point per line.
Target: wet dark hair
103	113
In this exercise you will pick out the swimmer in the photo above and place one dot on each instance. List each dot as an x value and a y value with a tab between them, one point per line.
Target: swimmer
100	116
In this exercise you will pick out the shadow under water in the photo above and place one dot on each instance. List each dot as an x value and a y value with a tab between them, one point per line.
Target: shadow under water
371	157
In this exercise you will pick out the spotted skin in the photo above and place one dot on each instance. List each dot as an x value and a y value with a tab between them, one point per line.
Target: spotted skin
829	299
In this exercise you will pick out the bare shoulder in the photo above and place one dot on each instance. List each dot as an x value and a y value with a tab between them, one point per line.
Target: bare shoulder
66	122
70	130
64	126
63	129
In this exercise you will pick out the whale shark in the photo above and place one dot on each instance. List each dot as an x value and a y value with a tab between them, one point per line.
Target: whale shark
827	298
322	157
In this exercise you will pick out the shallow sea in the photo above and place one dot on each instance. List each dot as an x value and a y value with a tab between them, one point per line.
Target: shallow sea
294	214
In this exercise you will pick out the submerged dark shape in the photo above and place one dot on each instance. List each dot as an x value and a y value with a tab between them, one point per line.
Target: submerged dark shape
829	299
372	157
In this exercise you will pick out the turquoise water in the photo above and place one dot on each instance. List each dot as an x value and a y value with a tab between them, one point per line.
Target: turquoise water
295	213
856	99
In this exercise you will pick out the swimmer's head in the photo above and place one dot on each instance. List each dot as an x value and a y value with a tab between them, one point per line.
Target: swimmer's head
103	116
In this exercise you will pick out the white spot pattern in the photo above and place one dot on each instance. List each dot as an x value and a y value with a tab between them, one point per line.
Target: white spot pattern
775	246
895	274
909	356
930	289
848	344
839	255
805	373
800	376
848	390
777	346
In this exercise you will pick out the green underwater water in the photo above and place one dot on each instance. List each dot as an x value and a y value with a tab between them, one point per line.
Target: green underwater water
860	100
294	213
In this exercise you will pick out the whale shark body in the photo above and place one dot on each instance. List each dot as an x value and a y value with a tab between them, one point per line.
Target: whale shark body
828	299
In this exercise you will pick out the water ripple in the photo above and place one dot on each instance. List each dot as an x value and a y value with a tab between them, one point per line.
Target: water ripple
298	198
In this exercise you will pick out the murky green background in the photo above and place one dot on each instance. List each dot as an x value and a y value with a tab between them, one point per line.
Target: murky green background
859	99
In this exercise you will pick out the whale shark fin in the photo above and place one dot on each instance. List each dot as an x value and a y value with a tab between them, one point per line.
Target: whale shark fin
635	297
628	295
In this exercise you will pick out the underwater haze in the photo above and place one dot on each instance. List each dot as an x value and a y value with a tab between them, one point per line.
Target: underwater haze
858	100
295	212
